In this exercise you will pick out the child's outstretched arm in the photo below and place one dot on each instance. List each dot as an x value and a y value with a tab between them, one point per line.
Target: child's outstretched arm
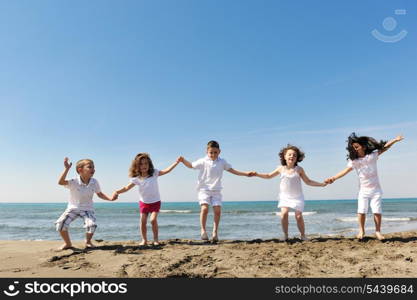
390	143
171	167
269	175
105	197
186	163
308	181
62	179
239	173
123	189
338	175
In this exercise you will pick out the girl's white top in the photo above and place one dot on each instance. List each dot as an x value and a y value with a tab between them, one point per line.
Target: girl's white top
211	172
290	186
148	188
367	171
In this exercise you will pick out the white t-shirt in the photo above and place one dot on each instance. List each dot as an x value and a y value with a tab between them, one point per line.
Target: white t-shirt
81	194
148	188
211	172
367	171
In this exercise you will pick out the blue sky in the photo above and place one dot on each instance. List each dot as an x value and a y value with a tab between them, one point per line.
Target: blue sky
109	79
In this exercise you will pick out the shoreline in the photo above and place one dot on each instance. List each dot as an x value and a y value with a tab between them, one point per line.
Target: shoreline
325	256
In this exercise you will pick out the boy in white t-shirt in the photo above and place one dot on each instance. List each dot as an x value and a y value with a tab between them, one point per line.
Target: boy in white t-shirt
80	204
209	185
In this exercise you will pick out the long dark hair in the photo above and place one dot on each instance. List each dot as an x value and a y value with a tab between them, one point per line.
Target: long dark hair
134	167
368	143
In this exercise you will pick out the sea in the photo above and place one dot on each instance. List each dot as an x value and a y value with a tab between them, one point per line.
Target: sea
180	220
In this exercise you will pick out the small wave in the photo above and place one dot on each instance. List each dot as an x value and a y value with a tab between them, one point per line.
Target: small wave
22	227
347	219
406	219
355	219
175	211
291	213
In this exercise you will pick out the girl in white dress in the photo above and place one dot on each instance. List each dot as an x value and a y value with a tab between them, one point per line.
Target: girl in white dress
363	153
291	193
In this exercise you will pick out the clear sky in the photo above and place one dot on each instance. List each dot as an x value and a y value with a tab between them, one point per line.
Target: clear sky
108	79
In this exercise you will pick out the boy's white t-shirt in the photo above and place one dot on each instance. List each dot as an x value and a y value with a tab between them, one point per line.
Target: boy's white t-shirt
211	172
148	188
81	194
366	168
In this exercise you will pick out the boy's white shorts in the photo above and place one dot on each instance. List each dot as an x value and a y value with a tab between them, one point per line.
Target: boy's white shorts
374	199
213	198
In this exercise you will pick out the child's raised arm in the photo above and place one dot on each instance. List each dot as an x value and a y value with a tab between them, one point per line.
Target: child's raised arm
390	143
171	167
67	166
269	175
308	181
338	175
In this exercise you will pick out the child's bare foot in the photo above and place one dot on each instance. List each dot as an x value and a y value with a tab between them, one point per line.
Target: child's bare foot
379	236
304	238
156	243
143	243
215	238
360	235
204	236
89	245
64	247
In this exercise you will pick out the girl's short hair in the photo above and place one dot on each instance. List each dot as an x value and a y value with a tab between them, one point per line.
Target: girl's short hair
83	162
213	144
134	170
369	143
300	154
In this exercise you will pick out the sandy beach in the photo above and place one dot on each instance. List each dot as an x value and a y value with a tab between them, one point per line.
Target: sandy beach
319	257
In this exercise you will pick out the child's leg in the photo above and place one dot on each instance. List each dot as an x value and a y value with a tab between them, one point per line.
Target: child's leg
378	221
67	241
154	222
89	225
217	211
361	221
62	225
300	223
143	221
203	220
284	221
88	237
376	205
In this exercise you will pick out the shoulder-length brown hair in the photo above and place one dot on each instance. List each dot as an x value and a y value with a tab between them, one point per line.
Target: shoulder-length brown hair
300	154
134	167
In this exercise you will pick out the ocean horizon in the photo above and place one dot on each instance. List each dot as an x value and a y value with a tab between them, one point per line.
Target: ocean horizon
243	220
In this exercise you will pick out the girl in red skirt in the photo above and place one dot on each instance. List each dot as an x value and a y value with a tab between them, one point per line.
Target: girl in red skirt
145	176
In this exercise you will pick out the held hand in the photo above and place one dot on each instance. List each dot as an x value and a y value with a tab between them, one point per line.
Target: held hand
329	180
67	164
251	174
114	196
180	159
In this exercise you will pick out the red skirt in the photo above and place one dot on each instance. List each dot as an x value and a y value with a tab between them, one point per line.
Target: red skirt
149	207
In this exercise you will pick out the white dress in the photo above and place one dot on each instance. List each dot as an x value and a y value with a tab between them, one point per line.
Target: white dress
290	191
